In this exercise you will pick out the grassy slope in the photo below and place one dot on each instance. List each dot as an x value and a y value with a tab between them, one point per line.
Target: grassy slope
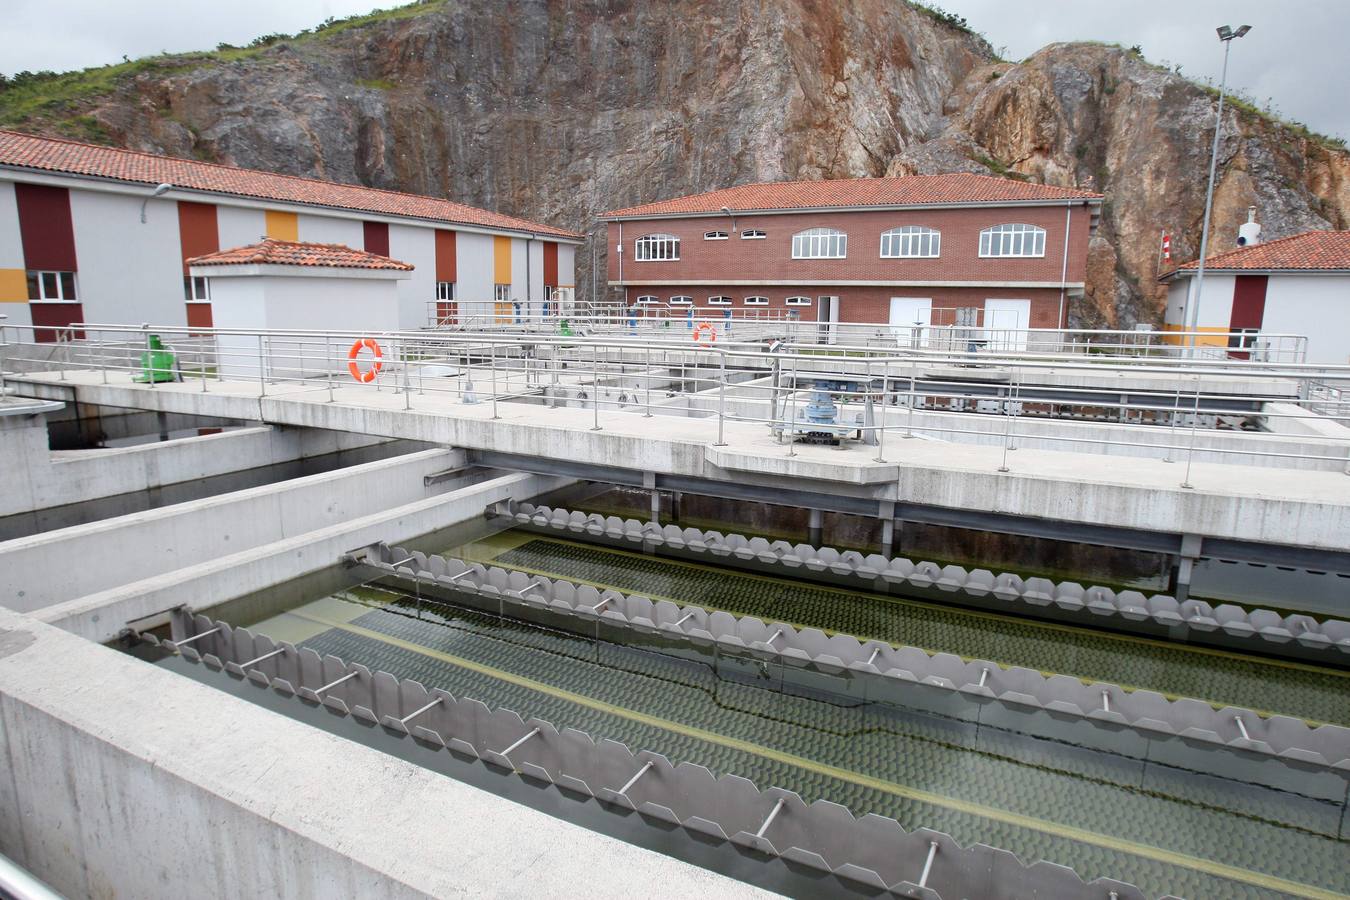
58	98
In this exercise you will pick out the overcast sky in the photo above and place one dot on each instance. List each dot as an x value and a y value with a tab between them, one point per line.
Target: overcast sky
1295	54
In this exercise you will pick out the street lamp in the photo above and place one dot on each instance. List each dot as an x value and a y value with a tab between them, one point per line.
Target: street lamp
731	216
158	192
1226	35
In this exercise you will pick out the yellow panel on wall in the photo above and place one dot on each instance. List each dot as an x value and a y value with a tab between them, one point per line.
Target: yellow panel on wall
501	260
13	286
283	226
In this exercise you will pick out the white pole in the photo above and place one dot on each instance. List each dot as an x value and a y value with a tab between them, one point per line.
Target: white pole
1194	300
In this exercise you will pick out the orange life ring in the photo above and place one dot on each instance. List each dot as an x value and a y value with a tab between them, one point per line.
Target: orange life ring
703	329
367	376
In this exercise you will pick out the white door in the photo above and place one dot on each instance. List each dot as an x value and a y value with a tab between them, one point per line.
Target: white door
827	311
1006	323
910	318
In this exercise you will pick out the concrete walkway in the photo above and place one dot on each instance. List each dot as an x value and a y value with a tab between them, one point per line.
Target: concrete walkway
1260	505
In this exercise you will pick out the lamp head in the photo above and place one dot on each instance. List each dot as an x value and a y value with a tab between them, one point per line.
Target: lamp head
1242	30
162	189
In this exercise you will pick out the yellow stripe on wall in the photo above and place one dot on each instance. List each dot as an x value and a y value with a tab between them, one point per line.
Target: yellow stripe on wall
13	286
501	260
283	226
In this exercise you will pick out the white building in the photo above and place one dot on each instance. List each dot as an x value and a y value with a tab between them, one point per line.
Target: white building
96	234
288	286
1296	285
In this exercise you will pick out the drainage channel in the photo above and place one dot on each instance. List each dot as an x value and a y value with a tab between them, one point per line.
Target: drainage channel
1165	830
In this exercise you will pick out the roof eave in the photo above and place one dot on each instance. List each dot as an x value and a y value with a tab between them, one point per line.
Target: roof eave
537	233
624	216
1220	270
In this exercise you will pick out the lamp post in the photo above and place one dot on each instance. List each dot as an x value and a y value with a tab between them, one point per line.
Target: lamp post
159	191
1226	35
731	216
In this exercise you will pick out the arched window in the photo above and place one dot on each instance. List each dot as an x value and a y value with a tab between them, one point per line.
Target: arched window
752	234
756	301
1013	239
714	235
681	301
653	247
910	241
798	301
648	300
720	301
820	243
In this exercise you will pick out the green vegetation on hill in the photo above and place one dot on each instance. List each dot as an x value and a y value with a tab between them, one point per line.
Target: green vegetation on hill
26	96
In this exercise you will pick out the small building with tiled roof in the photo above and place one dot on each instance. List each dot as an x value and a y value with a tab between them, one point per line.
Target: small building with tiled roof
290	286
924	254
100	234
1266	294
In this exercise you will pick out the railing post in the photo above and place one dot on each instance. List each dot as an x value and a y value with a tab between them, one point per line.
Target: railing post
1172	430
648	414
149	367
262	375
595	387
722	402
1195	422
328	363
909	419
881	418
492	356
403	355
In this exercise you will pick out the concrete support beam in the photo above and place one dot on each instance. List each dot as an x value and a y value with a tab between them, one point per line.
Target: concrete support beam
814	527
886	512
121	779
1182	572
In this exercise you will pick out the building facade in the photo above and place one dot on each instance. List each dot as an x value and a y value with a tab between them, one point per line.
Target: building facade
930	250
1298	285
96	234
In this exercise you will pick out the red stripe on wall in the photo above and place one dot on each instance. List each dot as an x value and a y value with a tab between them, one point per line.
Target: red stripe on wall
48	317
550	263
198	233
1249	302
199	315
377	237
445	256
45	228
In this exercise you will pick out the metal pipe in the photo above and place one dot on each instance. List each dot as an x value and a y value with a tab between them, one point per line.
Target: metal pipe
634	780
264	657
516	745
332	684
20	884
773	814
412	715
928	863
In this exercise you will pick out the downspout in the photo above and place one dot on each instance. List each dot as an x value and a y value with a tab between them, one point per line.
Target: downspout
619	250
529	262
1064	270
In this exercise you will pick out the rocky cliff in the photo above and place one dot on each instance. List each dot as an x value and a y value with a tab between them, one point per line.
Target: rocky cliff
559	109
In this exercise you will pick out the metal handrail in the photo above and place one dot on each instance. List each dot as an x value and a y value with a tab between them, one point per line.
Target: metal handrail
18	883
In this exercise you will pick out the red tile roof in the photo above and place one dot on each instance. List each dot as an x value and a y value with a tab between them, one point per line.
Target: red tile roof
293	253
912	190
1311	251
75	158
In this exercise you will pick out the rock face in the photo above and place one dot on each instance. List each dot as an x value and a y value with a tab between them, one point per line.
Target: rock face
559	109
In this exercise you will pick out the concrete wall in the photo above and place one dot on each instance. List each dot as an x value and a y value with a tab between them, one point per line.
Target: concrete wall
473	268
1216	306
327	230
101	615
567	265
416	246
36	571
239	226
120	779
1314	305
136	277
13	283
35	479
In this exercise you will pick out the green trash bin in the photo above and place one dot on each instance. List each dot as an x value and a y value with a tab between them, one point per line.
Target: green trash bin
157	363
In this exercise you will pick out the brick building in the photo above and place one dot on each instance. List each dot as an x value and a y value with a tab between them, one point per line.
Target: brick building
954	249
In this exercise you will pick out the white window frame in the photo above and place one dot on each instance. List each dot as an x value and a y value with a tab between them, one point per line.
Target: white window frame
756	301
799	301
820	243
60	288
753	234
1016	240
445	292
656	248
682	301
501	293
191	283
715	236
911	242
721	301
649	300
